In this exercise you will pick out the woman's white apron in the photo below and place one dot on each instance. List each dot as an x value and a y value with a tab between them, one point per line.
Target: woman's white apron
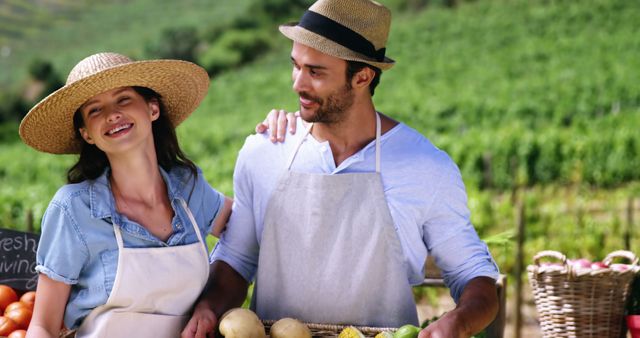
153	292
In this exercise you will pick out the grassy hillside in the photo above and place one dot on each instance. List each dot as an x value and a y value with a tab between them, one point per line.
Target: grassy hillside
524	92
537	94
65	31
467	79
519	93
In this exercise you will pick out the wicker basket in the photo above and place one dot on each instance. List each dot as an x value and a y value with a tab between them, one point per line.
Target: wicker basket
575	302
330	330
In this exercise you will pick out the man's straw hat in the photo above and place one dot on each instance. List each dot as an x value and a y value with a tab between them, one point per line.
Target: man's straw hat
48	126
354	30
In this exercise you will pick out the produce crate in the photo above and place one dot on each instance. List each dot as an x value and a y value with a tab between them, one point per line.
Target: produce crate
575	301
317	330
329	330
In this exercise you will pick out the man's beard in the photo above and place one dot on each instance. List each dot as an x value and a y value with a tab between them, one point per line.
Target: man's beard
332	108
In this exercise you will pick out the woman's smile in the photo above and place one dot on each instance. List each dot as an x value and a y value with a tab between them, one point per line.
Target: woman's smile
120	129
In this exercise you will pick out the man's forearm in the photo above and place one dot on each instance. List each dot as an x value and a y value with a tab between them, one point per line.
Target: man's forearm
478	304
226	288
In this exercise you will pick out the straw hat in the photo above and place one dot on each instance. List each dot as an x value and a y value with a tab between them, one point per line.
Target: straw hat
48	126
354	30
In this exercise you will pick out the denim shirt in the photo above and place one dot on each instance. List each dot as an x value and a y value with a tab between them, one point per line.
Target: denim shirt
78	246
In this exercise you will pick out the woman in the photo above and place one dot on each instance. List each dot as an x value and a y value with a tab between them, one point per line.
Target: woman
122	250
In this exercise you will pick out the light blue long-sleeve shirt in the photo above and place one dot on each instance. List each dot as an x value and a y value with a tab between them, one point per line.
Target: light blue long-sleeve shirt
423	189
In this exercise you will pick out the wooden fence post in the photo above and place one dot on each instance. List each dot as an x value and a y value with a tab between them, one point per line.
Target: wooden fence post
519	266
28	220
629	227
487	170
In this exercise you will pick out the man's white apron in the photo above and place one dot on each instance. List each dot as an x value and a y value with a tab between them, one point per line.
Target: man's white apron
154	290
330	254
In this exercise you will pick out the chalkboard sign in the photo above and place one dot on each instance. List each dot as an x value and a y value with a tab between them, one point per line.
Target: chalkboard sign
18	259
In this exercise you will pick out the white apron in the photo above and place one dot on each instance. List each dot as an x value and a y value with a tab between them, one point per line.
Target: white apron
330	254
154	290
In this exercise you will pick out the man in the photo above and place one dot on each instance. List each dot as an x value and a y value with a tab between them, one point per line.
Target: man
335	224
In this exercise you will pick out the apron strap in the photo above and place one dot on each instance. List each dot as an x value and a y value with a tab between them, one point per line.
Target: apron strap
295	152
378	133
116	231
194	224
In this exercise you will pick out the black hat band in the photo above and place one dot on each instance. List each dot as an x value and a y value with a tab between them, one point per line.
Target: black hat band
340	34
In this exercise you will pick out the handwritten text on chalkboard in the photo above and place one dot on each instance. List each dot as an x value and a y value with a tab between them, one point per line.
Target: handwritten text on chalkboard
18	259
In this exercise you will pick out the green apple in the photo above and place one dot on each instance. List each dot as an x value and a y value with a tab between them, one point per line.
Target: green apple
407	331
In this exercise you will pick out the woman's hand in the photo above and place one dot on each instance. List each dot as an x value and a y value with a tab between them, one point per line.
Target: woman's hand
226	289
220	223
276	122
202	324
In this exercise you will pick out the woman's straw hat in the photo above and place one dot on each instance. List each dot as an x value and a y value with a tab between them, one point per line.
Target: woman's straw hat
354	30
48	126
